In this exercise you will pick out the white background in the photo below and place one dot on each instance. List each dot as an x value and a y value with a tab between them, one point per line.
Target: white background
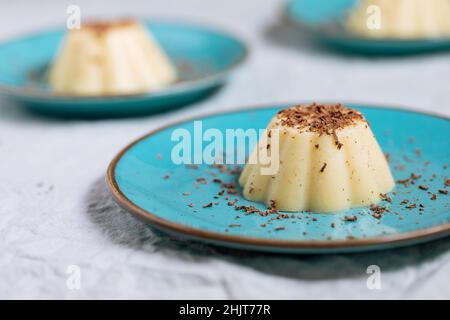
55	210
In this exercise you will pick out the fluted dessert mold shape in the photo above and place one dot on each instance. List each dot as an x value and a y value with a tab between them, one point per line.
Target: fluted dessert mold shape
329	161
110	58
407	19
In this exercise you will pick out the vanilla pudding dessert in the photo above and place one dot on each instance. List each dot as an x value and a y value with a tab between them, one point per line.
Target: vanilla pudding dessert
110	58
407	19
329	160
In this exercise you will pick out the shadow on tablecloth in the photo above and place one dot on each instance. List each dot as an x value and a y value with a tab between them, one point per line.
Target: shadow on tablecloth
123	229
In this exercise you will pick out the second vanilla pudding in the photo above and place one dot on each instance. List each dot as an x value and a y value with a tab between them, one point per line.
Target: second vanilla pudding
329	160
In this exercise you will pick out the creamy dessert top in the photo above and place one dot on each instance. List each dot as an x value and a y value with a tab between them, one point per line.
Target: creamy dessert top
324	119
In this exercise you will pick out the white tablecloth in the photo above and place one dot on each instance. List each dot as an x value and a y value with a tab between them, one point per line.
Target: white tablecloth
55	210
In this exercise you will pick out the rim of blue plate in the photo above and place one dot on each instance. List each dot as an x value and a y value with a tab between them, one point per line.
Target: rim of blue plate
291	20
212	236
30	92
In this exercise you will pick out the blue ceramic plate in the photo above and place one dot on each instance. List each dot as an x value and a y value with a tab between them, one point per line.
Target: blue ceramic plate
145	181
323	19
203	58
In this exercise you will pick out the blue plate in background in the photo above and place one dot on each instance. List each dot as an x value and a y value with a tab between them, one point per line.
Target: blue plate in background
145	181
323	19
203	58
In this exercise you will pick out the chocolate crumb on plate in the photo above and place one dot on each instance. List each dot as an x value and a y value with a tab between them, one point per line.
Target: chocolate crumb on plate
377	215
415	176
350	218
385	197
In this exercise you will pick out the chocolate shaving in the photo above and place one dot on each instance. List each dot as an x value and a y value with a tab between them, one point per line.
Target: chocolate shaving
351	218
385	197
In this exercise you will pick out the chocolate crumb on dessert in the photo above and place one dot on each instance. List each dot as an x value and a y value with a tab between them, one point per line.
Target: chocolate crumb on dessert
433	197
233	225
442	191
323	167
185	194
411	206
423	187
333	225
404	201
320	118
279	228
